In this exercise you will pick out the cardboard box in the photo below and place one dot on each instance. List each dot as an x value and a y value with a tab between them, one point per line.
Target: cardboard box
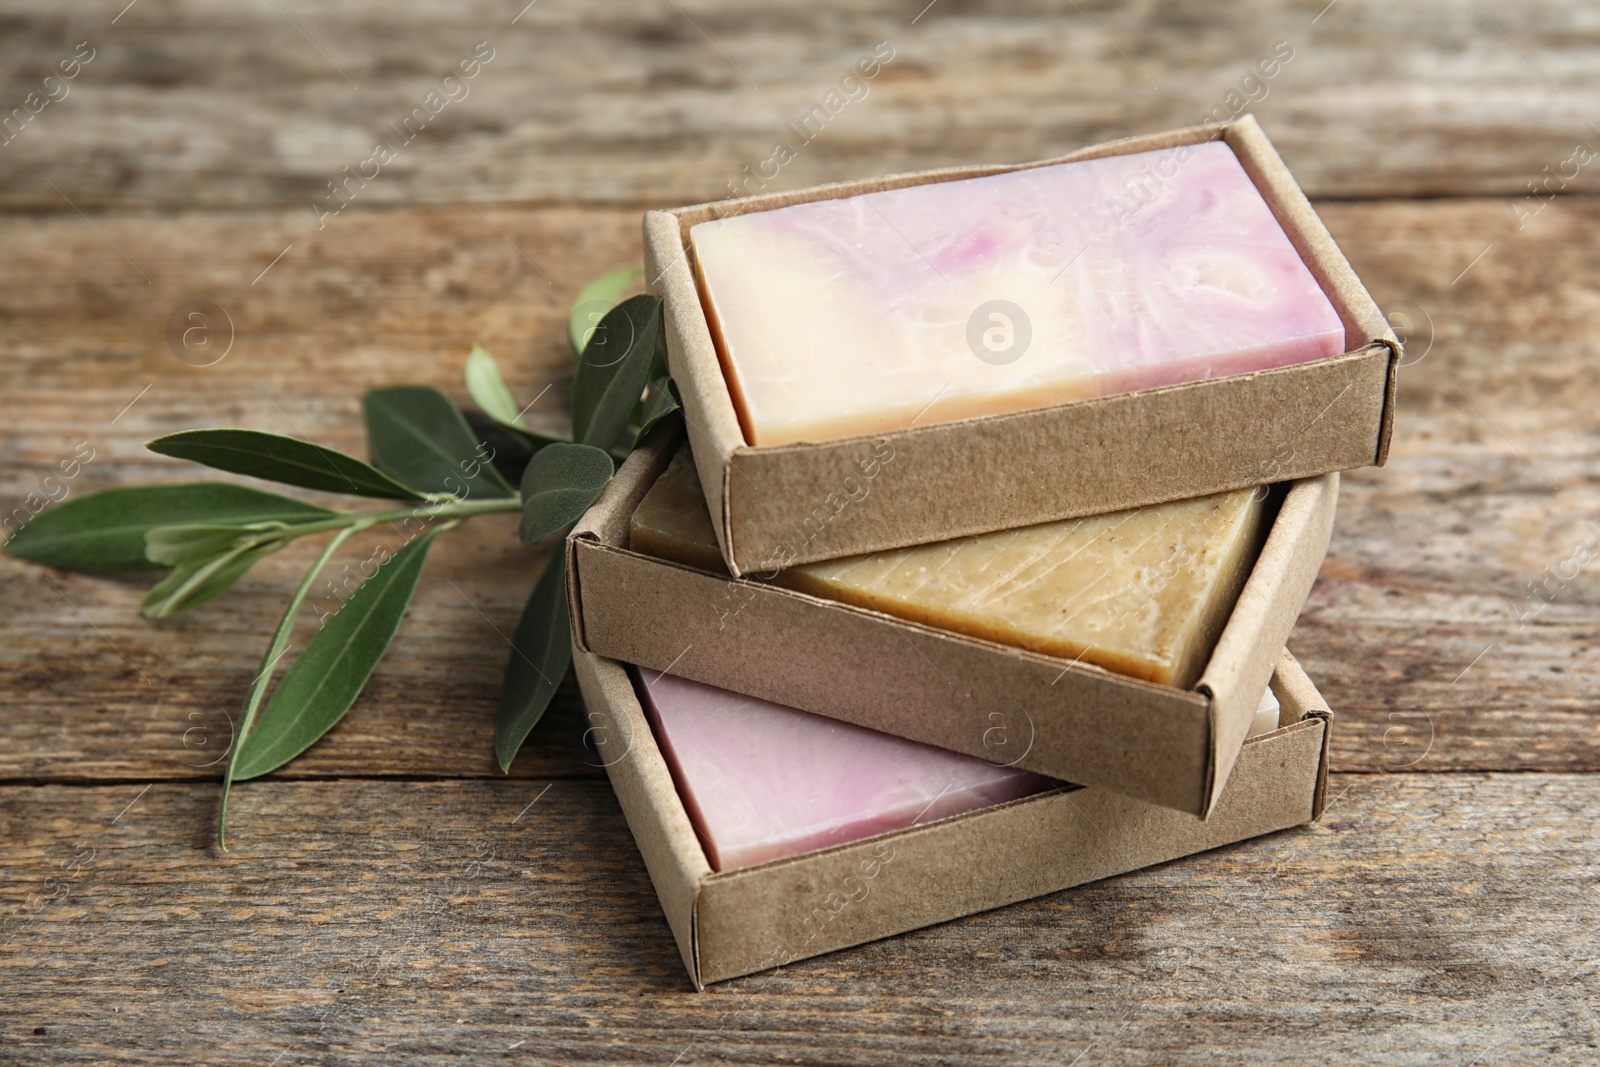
737	922
780	505
1061	718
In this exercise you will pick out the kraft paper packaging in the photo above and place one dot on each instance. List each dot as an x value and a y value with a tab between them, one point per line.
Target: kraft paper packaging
780	505
737	922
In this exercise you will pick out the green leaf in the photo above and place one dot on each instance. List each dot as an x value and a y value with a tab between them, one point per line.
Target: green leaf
418	435
488	388
269	662
613	370
660	401
177	545
541	652
192	584
559	484
593	301
277	458
508	447
489	391
325	679
105	531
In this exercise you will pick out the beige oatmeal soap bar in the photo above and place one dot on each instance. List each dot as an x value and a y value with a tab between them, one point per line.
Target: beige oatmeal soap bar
1143	593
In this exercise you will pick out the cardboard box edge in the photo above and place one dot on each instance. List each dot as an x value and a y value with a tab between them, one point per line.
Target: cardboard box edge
648	797
1283	388
1246	655
613	508
707	404
1360	312
711	210
1292	684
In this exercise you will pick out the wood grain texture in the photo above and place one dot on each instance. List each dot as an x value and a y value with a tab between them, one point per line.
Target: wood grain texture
392	898
1428	569
213	104
1422	624
434	922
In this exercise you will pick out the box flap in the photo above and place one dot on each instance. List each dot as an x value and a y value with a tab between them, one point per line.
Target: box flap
713	425
1263	617
1301	700
607	518
1364	322
643	782
799	503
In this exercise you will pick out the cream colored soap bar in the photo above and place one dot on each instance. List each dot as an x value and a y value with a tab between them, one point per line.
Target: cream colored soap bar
1026	289
1267	713
1143	592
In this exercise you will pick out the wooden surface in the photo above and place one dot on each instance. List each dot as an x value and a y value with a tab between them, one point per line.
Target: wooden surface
392	898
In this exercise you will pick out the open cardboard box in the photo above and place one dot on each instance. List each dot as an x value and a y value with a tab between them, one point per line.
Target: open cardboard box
1061	718
779	505
741	921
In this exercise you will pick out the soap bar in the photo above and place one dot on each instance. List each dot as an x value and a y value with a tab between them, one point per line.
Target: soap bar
762	781
981	296
1267	712
672	521
1143	592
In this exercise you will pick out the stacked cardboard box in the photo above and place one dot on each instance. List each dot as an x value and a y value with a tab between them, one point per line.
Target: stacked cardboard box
1157	771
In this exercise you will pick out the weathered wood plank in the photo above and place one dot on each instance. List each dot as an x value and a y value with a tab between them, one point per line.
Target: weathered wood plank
1429	918
1422	625
214	104
1426	919
1428	567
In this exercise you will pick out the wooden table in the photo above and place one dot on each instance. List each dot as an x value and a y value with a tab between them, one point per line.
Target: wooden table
392	898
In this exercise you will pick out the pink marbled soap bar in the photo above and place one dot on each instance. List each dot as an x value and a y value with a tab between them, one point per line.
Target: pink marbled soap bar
762	781
1003	293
